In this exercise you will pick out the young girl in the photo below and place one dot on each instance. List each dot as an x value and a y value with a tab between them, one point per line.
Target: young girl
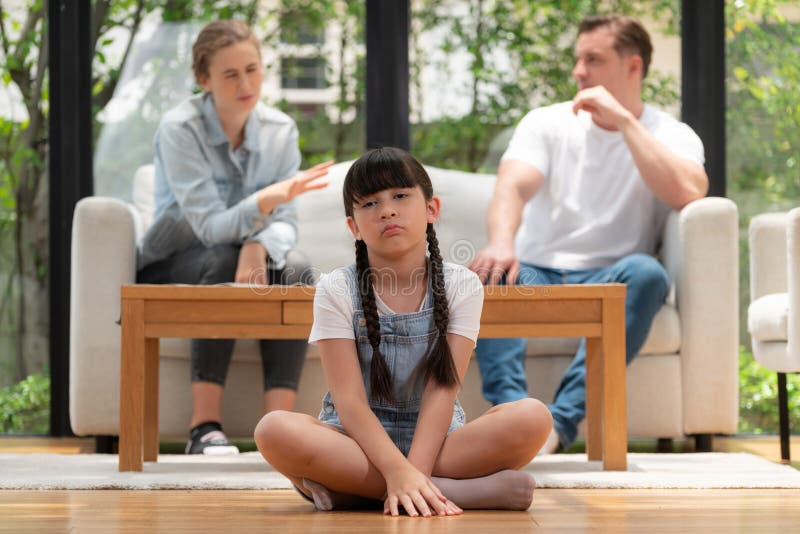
395	333
226	172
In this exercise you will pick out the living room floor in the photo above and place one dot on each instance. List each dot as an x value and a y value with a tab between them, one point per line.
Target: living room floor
282	510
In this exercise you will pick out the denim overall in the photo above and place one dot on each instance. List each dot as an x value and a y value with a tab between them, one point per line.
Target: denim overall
405	341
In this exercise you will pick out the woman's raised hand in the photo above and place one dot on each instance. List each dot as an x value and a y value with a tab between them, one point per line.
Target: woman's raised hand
304	181
409	487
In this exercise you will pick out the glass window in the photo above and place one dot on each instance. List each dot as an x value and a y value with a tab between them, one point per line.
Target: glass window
762	58
24	218
298	28
303	73
478	67
313	70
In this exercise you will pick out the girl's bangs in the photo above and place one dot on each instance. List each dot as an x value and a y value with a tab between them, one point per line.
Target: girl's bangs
376	171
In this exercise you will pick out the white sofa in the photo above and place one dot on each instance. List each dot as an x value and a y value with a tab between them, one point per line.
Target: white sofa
683	383
773	318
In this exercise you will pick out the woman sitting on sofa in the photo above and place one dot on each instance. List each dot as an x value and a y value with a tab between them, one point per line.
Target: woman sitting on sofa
226	172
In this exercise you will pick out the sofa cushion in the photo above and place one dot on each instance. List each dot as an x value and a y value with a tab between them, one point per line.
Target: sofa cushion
768	317
776	356
245	350
321	228
665	332
664	338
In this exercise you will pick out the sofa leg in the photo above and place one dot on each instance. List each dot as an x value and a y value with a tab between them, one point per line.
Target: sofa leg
783	415
664	445
106	444
702	442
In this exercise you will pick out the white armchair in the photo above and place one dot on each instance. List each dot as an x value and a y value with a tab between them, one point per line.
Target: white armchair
773	317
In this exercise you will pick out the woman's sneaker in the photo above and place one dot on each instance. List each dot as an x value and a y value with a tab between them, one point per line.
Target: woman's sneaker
208	438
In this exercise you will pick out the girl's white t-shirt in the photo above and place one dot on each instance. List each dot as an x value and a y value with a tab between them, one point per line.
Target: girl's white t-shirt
333	304
593	207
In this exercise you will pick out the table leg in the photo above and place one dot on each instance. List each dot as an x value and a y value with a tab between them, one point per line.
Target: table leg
615	427
151	400
594	398
131	389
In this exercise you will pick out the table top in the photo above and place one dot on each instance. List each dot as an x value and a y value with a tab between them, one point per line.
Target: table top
306	293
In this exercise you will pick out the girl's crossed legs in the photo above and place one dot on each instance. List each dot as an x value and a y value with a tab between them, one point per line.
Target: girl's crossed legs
476	467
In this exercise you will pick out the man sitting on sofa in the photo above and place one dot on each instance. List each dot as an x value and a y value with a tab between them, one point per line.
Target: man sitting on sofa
582	195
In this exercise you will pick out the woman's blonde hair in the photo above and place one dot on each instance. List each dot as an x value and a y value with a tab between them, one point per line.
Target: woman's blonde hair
216	36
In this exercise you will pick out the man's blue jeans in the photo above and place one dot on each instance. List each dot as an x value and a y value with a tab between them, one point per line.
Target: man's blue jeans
502	361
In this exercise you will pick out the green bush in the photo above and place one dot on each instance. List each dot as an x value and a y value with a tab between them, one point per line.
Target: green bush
25	406
758	396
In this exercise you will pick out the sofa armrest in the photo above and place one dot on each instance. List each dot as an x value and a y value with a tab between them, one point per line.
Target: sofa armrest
701	248
767	237
103	259
793	281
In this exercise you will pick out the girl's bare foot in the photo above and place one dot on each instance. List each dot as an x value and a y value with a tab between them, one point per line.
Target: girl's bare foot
504	490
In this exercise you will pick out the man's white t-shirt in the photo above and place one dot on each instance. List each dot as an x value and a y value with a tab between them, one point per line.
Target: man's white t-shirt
333	304
593	207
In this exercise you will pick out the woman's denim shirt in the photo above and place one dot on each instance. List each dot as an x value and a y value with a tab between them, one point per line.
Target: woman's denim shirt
205	193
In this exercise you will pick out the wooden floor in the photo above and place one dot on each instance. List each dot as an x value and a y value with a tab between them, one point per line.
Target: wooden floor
283	511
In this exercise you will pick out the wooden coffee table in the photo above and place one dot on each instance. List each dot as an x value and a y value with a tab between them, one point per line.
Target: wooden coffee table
150	312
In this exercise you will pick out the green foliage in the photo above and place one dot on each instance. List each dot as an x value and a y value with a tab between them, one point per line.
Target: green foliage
334	131
316	132
25	406
327	131
763	108
758	396
179	10
456	143
23	155
537	38
762	112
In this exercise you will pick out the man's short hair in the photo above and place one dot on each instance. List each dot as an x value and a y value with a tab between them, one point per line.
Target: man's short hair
629	35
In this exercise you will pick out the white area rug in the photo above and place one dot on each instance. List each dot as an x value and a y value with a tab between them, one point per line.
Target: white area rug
249	471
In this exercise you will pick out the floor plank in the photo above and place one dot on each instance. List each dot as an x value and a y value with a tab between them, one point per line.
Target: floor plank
768	447
44	444
284	511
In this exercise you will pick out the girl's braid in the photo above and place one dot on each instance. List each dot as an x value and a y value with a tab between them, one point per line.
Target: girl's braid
380	378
